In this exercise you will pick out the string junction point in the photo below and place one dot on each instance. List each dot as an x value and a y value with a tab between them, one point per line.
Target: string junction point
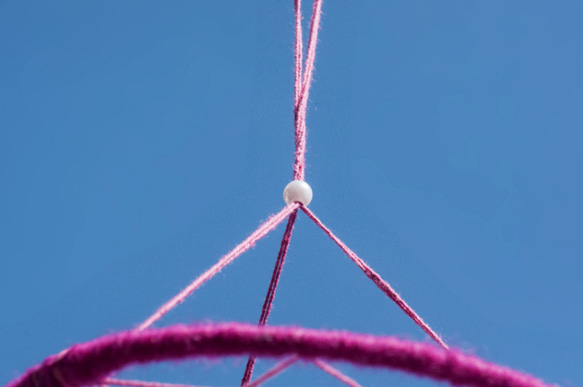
298	191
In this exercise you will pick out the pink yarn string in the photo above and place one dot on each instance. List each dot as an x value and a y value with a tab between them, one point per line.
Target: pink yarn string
378	281
302	89
298	48
311	52
275	370
268	303
285	241
88	363
263	230
139	383
336	373
283	365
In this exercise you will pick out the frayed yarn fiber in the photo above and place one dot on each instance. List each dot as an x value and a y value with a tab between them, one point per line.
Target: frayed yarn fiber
84	364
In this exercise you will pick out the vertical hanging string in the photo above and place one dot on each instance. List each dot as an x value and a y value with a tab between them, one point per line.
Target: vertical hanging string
298	48
302	84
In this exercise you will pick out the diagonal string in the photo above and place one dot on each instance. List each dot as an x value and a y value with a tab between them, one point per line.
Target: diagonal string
263	230
268	303
139	383
378	281
277	369
302	88
279	266
336	373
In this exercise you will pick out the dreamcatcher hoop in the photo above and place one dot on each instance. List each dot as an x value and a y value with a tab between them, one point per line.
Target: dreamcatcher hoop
90	363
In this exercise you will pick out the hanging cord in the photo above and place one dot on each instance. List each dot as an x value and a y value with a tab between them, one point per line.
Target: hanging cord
303	80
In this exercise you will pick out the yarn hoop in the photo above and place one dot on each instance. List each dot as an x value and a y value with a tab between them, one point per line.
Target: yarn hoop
89	363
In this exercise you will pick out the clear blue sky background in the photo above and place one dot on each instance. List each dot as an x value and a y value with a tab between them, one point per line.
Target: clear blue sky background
142	140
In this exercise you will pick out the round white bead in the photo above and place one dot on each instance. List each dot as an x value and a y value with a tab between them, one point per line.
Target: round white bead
298	191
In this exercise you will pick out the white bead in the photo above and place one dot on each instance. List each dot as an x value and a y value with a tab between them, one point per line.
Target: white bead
298	191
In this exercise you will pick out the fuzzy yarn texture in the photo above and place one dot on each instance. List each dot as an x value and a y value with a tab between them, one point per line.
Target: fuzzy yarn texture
378	281
248	243
268	303
303	81
139	383
89	363
337	374
275	370
92	363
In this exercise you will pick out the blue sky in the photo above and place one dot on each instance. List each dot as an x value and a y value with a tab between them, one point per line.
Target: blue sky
141	141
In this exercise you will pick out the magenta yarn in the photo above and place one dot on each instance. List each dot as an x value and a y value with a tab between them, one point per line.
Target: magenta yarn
275	370
337	374
268	303
139	383
303	82
248	243
378	281
88	363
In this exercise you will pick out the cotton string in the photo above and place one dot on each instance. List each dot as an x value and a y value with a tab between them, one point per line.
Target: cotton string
277	369
139	383
86	364
263	230
266	310
298	48
378	281
303	82
267	304
334	372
